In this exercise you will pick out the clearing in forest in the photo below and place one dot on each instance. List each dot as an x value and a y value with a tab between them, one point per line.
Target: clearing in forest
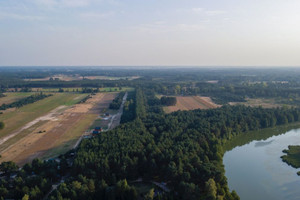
11	97
56	131
191	103
265	103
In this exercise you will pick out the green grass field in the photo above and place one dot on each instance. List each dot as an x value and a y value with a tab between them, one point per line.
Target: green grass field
19	117
14	96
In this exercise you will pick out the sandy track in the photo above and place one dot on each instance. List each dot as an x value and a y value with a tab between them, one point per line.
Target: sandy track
57	129
49	117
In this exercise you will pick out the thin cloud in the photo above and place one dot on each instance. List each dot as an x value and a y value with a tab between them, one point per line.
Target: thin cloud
167	28
94	15
208	12
197	10
63	3
215	12
15	16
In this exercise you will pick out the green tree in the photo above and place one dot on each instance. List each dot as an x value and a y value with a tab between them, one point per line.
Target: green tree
8	167
150	194
25	197
2	125
211	189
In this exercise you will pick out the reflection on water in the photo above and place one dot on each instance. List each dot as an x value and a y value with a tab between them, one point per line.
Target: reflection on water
261	144
259	173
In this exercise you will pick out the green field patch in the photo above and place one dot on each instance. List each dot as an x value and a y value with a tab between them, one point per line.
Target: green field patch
100	122
19	117
11	97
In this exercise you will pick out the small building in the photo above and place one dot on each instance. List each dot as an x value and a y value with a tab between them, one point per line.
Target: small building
98	128
95	132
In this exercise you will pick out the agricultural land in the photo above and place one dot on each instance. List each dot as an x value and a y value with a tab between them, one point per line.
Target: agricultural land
191	103
49	127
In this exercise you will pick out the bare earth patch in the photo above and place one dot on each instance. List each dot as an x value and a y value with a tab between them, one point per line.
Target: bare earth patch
62	127
191	103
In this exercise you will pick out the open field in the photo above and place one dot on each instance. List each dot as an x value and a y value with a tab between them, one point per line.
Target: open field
18	118
77	77
56	131
191	103
265	103
13	96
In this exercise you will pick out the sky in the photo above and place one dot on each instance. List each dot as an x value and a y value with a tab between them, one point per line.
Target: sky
150	32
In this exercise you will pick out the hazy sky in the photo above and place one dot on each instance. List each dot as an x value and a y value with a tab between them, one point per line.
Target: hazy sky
150	32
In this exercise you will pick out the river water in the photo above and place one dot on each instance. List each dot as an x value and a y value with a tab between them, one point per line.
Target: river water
256	172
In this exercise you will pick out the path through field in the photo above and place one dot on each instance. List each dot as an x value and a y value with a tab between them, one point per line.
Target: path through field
58	132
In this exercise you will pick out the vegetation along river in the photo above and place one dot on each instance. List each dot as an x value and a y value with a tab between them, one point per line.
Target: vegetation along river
254	168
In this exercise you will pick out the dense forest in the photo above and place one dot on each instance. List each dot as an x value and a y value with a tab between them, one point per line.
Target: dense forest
183	149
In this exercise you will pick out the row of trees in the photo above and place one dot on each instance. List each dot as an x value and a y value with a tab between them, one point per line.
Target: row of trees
116	103
25	101
129	108
168	101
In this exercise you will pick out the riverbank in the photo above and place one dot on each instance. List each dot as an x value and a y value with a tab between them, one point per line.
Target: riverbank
262	134
255	170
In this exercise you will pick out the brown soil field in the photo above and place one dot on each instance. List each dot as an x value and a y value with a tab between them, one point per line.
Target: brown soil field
58	133
191	103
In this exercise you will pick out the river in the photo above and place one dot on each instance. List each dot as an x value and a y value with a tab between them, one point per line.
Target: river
255	170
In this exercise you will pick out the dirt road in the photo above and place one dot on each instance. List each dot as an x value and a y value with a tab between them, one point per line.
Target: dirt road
116	118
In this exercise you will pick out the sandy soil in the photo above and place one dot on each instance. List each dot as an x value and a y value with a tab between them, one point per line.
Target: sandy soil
58	128
191	103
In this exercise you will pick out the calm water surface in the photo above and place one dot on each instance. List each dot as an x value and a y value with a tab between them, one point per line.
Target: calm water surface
256	172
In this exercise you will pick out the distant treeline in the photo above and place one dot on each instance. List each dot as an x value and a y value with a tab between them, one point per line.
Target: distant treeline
25	101
117	102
